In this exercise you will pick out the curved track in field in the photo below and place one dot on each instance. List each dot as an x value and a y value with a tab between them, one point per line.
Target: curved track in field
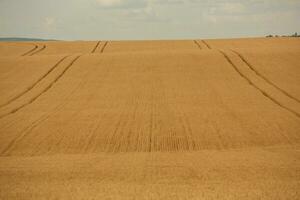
264	77
40	120
251	67
34	84
206	44
38	51
256	87
43	91
104	46
95	48
197	43
31	50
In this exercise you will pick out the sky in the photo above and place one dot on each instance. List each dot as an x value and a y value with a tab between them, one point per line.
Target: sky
147	19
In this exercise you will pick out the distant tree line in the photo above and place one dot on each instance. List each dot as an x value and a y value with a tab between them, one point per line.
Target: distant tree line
294	35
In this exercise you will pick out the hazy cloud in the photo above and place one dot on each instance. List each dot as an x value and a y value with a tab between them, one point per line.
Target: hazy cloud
50	23
110	3
147	19
122	3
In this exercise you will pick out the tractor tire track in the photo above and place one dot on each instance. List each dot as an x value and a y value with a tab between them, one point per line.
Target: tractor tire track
103	48
187	131
34	84
43	91
36	52
256	87
188	126
197	43
206	44
111	140
95	48
151	126
37	122
263	77
30	51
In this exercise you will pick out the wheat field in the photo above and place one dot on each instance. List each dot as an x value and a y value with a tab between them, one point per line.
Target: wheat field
189	119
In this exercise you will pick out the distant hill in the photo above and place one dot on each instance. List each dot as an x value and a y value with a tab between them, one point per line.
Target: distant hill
16	39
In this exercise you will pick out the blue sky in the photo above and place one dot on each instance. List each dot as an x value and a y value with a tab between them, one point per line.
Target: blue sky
147	19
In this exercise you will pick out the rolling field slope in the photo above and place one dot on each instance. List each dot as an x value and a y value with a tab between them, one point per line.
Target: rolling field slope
202	119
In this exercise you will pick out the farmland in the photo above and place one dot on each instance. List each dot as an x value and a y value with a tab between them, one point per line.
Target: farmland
186	119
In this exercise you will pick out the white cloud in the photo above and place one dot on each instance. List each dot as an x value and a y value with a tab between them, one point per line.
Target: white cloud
50	23
110	3
122	3
133	10
147	13
233	8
